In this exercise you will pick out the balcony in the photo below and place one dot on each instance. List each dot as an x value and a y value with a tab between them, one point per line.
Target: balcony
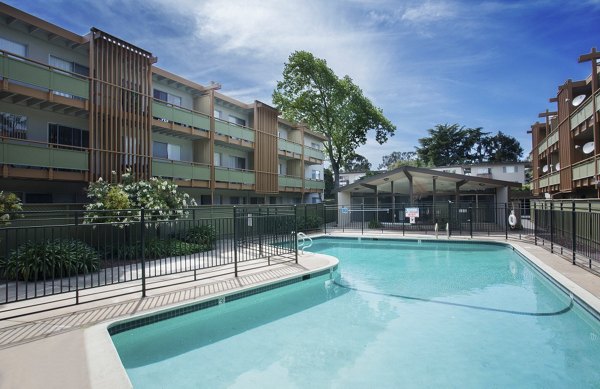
314	184
314	153
27	159
583	170
180	119
290	182
234	176
181	170
27	77
548	142
234	131
549	180
583	112
288	148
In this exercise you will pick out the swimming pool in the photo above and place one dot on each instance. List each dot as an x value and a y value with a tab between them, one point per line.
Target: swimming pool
396	314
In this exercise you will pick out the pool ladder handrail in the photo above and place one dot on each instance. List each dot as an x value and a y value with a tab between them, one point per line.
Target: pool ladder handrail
303	245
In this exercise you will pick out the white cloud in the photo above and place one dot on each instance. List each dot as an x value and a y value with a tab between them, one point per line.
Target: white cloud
428	12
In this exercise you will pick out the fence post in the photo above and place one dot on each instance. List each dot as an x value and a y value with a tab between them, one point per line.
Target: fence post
305	217
324	218
259	226
506	221
591	228
551	228
403	218
295	238
535	222
235	241
471	220
449	218
362	211
574	231
143	249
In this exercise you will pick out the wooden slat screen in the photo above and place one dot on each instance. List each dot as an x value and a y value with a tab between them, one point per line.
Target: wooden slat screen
565	139
120	104
265	153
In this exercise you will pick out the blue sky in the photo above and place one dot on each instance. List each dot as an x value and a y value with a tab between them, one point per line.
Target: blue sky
490	64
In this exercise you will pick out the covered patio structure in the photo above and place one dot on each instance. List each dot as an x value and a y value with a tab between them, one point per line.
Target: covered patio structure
434	192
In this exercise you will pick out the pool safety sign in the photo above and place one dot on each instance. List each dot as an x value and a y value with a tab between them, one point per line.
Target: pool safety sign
412	214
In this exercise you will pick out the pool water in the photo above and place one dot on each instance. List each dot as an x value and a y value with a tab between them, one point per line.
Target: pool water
398	314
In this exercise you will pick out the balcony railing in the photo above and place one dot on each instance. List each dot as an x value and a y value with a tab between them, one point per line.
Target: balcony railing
314	184
290	181
180	170
584	112
178	115
291	147
234	130
234	176
314	153
583	170
26	71
549	141
552	179
42	155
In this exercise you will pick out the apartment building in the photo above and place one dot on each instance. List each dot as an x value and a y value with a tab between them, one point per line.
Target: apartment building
566	152
74	108
504	171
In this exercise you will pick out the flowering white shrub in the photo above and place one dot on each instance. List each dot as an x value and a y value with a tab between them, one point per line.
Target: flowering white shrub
121	202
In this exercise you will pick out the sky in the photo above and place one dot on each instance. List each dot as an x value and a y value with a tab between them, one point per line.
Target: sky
490	64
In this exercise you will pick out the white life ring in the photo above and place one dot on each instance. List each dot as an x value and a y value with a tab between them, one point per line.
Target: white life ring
512	219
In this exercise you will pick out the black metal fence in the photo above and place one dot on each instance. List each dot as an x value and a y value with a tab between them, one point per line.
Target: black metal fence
55	252
569	228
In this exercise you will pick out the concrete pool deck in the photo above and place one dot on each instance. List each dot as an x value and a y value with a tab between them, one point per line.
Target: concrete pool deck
69	347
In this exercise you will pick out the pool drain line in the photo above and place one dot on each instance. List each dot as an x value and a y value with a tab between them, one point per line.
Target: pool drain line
564	310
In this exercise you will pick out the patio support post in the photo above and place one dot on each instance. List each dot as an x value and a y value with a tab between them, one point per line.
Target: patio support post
551	228
393	203
535	222
574	230
433	200
235	238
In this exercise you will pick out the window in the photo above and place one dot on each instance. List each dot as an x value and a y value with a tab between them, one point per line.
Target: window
316	175
68	136
234	200
467	171
236	120
174	152
510	169
217	159
167	97
14	126
315	145
484	170
238	162
218	114
160	150
69	66
13	47
166	151
279	168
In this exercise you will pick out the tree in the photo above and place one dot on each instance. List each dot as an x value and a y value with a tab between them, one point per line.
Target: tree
357	164
10	206
400	158
453	144
449	145
312	93
328	178
502	148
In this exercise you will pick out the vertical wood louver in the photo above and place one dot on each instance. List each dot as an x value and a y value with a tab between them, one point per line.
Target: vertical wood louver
565	138
120	107
265	154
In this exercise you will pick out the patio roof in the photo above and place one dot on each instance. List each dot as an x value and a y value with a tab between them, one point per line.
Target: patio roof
411	180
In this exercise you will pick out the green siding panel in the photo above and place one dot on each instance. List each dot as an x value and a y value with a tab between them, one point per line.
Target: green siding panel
234	131
234	176
311	184
180	170
292	182
289	146
314	153
180	115
43	77
583	171
38	156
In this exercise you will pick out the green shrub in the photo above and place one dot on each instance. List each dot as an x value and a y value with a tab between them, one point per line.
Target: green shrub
157	248
312	222
50	259
203	235
10	205
374	224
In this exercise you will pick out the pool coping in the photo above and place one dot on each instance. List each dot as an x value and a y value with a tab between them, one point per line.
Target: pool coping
106	363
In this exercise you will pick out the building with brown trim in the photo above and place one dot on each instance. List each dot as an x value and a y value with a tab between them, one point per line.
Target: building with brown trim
76	108
566	153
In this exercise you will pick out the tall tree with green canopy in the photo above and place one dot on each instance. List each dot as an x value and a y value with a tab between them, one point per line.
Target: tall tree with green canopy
450	144
312	93
501	148
358	163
